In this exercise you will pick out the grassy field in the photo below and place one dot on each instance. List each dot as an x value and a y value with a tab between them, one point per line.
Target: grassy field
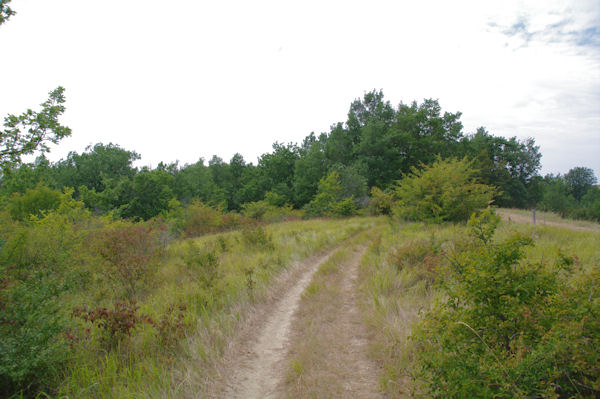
161	329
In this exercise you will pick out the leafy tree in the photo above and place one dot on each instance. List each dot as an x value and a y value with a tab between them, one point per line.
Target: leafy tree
5	11
277	168
95	166
196	181
309	168
509	164
151	195
32	130
579	180
444	191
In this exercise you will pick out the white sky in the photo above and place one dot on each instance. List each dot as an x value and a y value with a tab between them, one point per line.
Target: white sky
184	79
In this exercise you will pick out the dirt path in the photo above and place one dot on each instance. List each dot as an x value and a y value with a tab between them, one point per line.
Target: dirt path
329	341
360	374
255	365
519	218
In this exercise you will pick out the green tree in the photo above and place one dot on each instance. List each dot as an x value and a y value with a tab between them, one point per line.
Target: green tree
5	11
151	195
94	166
309	168
444	191
32	130
579	180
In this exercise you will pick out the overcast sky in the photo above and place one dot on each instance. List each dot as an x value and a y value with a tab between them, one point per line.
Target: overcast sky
183	79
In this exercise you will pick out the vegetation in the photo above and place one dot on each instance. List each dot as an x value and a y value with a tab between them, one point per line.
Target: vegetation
116	281
444	191
480	311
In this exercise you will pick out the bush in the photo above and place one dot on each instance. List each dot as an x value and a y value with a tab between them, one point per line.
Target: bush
257	237
330	200
34	202
381	203
129	253
115	323
32	348
198	219
508	328
203	263
266	212
444	191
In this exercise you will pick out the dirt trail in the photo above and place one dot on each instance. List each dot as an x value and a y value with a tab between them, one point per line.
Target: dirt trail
329	342
359	373
519	218
255	366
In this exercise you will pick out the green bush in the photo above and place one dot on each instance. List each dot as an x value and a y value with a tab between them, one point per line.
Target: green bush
267	212
508	328
445	191
381	203
330	200
34	202
32	346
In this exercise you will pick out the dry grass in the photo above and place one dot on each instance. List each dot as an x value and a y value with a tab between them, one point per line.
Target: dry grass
547	219
328	355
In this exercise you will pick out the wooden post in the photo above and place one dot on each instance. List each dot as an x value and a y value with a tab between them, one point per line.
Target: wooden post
533	214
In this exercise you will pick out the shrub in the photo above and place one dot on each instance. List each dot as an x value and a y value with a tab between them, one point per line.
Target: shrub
115	323
508	328
32	348
171	326
381	203
34	202
203	263
444	191
129	253
257	237
198	219
266	212
330	200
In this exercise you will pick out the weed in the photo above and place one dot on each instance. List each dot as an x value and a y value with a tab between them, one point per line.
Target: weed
114	324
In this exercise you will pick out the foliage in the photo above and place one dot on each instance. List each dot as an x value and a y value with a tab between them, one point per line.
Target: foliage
34	202
203	263
32	130
5	11
198	219
579	180
171	326
499	329
572	195
129	253
114	324
444	191
32	348
266	212
330	200
257	237
381	202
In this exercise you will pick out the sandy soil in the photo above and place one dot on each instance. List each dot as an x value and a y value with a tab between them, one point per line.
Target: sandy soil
519	218
255	364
